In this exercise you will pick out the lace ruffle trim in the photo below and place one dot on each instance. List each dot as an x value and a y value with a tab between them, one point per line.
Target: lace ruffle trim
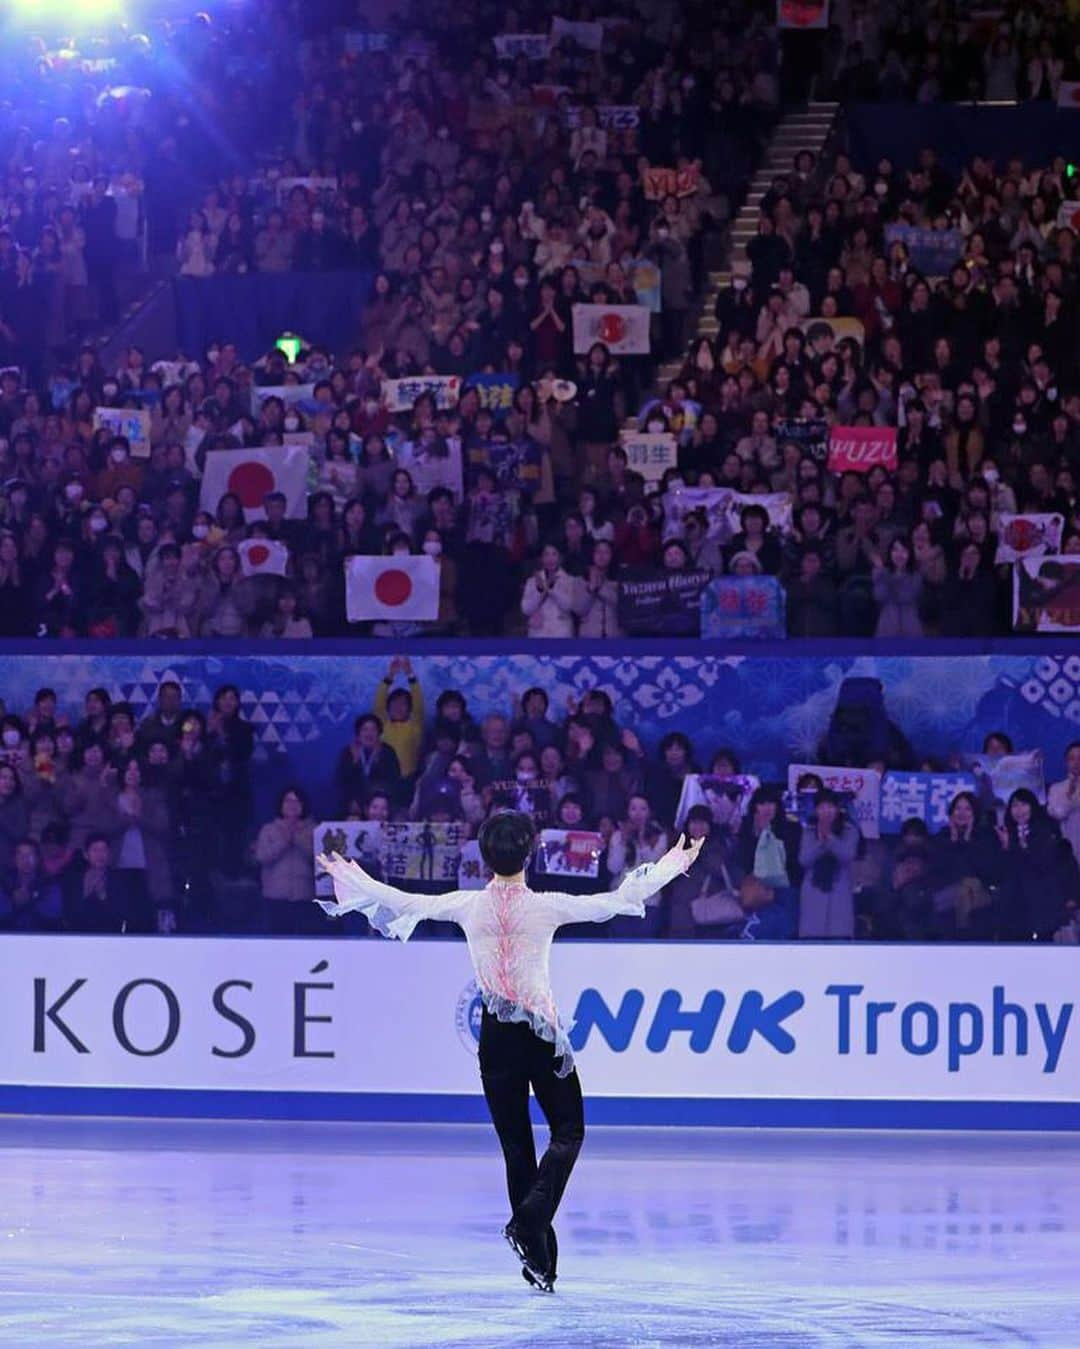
381	918
507	1010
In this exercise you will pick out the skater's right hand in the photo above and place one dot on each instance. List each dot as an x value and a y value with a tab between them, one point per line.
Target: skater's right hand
687	856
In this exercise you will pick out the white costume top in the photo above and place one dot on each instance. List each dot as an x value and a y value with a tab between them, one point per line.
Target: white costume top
508	928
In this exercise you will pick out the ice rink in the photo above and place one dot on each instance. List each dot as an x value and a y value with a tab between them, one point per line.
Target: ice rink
121	1232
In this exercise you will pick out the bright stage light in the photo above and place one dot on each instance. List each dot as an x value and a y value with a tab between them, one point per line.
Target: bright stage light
77	13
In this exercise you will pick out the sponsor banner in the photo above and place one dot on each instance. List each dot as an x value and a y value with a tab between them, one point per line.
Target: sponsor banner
811	434
134	423
858	449
658	182
587	34
423	851
738	1021
659	602
569	852
252	474
802	14
533	46
622	328
727	795
1046	594
404	588
998	776
744	606
496	391
861	787
932	252
359	841
1030	535
920	796
400	395
651	455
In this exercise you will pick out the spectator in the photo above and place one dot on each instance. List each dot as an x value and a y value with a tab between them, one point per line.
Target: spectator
826	853
284	852
366	763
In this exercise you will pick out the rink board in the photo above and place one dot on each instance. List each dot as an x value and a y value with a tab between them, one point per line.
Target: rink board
811	1035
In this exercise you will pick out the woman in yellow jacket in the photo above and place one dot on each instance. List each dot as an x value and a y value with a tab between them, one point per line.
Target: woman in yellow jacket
401	711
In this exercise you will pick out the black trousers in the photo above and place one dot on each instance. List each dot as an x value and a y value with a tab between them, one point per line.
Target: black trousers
512	1058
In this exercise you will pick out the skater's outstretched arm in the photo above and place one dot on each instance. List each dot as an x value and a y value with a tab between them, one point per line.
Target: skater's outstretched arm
390	911
629	899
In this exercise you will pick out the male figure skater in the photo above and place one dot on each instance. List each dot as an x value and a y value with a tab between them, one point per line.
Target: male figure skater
509	929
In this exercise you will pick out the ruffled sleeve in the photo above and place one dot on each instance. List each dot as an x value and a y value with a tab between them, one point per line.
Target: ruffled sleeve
389	910
629	899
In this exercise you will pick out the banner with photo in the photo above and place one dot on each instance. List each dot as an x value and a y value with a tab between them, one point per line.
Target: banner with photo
134	423
533	46
658	182
862	786
622	328
610	116
400	395
723	508
650	454
432	466
726	794
858	449
920	796
585	33
473	872
569	852
642	273
1028	535
997	776
496	391
423	851
359	841
661	603
839	327
811	434
1046	594
357	43
322	189
1068	216
290	394
802	14
932	252
737	607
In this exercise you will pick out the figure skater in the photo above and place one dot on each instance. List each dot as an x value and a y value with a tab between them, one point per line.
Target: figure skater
509	929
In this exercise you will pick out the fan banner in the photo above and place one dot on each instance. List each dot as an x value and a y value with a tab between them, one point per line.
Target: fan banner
252	475
622	328
391	587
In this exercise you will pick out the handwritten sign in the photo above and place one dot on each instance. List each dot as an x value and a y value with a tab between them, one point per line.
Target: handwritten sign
858	449
569	852
650	454
861	785
400	395
359	841
920	796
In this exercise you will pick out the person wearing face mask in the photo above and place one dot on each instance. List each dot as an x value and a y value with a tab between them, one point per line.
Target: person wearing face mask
433	546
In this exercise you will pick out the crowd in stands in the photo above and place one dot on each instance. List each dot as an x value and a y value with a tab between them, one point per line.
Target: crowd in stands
929	52
486	197
110	824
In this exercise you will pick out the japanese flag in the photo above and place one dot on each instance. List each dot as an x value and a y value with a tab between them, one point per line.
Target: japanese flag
1069	94
251	474
263	557
623	328
391	587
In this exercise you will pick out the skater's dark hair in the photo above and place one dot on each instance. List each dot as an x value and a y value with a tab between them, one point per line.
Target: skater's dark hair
506	840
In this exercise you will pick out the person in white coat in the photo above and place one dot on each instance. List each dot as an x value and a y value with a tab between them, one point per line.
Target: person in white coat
1063	799
548	599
